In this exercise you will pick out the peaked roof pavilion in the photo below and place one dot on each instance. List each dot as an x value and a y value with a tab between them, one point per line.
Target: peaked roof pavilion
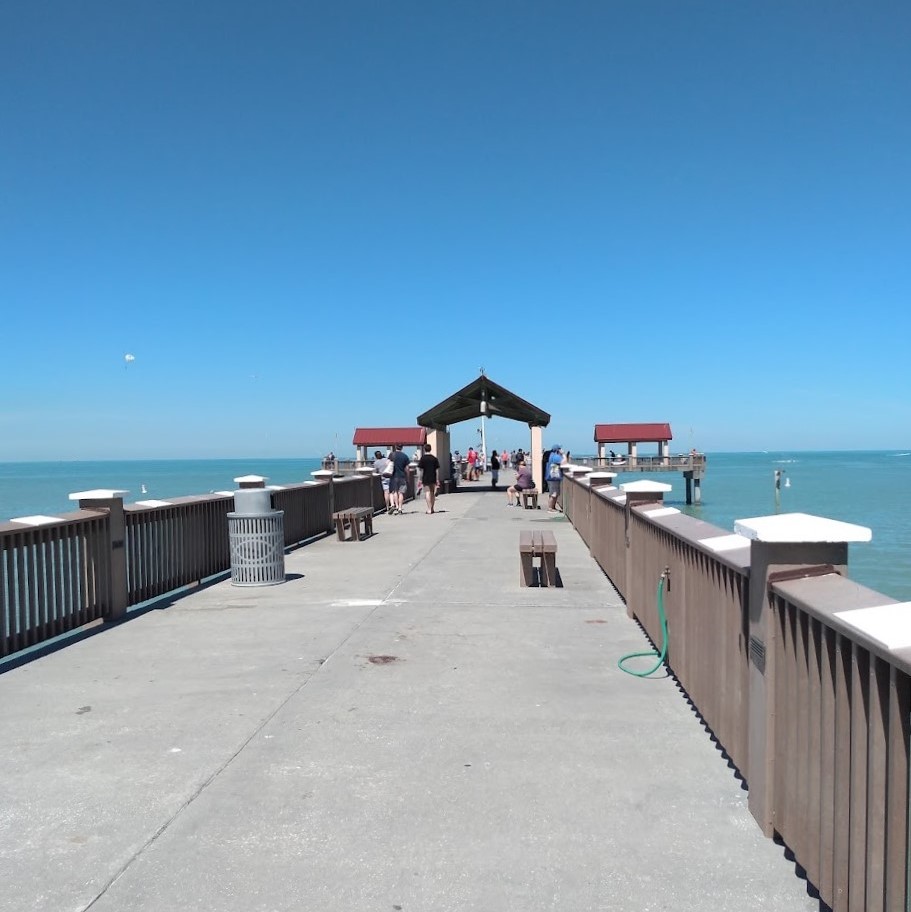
483	397
633	433
406	436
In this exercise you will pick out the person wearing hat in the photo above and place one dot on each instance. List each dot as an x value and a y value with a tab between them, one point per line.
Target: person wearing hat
554	476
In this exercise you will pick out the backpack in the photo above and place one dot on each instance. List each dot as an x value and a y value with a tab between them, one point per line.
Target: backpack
553	470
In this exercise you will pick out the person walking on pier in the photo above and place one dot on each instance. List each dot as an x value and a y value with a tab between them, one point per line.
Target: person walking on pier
379	466
554	477
430	475
471	458
399	479
494	470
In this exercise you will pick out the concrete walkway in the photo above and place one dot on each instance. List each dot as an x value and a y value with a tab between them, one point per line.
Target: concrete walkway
398	727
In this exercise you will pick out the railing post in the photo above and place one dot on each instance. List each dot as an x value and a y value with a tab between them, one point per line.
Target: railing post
326	475
111	502
787	544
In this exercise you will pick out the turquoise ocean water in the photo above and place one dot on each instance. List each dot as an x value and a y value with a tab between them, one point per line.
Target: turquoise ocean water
30	488
869	488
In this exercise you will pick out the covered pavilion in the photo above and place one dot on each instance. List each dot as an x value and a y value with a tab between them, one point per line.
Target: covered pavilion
482	398
366	439
632	435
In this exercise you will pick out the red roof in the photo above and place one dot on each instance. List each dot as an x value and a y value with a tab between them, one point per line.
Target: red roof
632	433
407	436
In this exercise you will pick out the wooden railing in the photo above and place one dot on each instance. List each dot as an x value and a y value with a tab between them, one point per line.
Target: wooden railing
173	546
840	708
60	576
53	579
679	463
813	713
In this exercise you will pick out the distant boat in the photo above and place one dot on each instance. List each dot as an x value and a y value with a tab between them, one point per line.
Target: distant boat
787	482
143	489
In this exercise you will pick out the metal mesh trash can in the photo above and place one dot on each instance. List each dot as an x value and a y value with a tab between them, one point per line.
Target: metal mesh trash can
257	537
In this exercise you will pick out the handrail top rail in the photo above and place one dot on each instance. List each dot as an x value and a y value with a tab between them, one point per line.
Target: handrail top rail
830	597
64	519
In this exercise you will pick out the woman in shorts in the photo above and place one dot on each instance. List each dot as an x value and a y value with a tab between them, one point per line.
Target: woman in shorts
524	482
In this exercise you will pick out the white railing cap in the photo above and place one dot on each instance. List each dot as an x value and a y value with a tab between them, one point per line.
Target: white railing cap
37	520
887	624
153	503
249	479
606	490
97	494
322	473
645	487
725	542
801	528
603	475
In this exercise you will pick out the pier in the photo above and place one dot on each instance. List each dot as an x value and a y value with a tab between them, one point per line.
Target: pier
401	725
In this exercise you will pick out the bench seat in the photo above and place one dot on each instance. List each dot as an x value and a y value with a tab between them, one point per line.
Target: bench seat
543	547
529	495
353	517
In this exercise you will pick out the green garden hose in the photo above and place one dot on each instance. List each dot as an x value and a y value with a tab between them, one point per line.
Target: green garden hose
662	617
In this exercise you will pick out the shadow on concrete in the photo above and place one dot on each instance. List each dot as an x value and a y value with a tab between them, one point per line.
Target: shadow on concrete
801	873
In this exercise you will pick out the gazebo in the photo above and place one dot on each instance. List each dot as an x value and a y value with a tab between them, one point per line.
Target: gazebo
632	435
486	399
366	439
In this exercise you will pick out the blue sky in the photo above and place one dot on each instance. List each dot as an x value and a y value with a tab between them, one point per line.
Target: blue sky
302	217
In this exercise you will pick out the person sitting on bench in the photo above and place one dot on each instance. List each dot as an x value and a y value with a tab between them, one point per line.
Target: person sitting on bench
524	482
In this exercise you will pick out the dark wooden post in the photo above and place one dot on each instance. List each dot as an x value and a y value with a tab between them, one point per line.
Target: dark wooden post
111	502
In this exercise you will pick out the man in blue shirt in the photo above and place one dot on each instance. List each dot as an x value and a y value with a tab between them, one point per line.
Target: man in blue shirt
554	476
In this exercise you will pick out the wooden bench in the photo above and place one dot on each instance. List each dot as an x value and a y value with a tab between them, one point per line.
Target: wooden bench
353	517
540	545
529	494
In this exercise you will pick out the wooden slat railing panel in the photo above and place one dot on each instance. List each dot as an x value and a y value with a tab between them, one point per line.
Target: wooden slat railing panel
841	751
827	751
897	797
877	758
175	546
841	800
811	767
857	835
53	579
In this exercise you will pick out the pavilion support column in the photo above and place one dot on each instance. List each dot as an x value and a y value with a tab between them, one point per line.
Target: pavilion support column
440	447
537	450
